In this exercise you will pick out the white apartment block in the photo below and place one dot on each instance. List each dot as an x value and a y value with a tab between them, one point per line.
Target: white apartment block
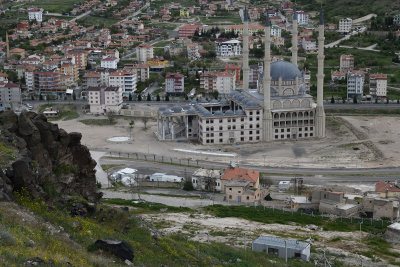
29	81
378	85
345	25
346	63
226	82
10	95
104	99
109	63
174	83
126	80
144	52
231	48
302	17
308	44
193	51
355	84
276	31
35	13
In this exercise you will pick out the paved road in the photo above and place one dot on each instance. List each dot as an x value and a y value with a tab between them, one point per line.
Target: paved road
346	37
81	16
310	175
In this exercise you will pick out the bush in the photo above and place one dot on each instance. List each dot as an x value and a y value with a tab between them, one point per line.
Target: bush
188	186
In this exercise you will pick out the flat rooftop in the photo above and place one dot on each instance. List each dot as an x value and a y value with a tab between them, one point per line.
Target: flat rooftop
280	242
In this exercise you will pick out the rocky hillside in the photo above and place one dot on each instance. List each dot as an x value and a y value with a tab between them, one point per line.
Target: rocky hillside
46	160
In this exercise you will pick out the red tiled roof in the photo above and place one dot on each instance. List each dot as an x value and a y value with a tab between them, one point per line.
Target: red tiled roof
241	174
384	187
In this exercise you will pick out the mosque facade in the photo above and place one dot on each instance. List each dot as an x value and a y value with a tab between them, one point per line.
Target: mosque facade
280	109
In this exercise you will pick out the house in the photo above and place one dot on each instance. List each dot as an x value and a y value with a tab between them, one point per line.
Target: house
308	44
284	185
10	95
334	203
379	208
392	233
378	85
345	25
241	185
18	52
338	76
35	13
206	179
388	189
109	62
355	84
396	20
103	99
302	202
228	48
282	248
174	83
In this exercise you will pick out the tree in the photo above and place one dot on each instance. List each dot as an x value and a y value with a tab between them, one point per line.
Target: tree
158	97
167	97
355	99
40	97
188	186
110	116
73	96
332	100
148	97
215	94
139	98
387	100
145	120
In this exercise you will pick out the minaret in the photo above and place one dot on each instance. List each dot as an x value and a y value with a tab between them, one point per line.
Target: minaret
267	119
320	113
8	46
245	36
294	38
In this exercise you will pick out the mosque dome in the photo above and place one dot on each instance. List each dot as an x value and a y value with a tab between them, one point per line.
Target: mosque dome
284	69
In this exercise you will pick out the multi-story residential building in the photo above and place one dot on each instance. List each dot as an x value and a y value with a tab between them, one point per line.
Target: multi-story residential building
70	69
157	63
193	51
338	76
66	82
234	68
47	82
254	75
142	71
208	82
308	44
226	82
189	30
396	20
302	17
79	58
276	31
307	79
104	99
378	85
345	25
346	63
29	78
174	83
109	62
355	84
91	79
35	13
144	52
238	29
231	48
124	79
3	77
10	95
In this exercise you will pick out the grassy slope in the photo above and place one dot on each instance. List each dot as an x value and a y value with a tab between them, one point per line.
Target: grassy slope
56	6
351	8
24	235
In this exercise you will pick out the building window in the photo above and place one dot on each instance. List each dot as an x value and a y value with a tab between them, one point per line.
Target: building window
230	197
220	140
242	126
257	132
220	128
250	138
257	138
288	130
220	134
220	121
311	134
311	128
300	129
242	139
250	132
250	119
229	127
306	135
251	126
276	137
258	112
300	135
251	113
276	130
233	120
241	133
282	130
229	120
288	135
282	136
230	188
242	119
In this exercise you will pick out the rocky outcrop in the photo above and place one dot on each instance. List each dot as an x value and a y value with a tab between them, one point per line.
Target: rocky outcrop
119	248
48	162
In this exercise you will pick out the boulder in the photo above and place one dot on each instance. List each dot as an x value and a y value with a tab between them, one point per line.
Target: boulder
119	248
75	138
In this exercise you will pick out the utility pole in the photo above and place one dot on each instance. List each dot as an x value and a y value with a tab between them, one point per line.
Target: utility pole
244	237
285	251
360	231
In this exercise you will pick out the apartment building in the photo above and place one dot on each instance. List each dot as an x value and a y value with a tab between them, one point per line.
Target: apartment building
378	85
104	99
188	30
79	58
346	63
223	82
193	51
144	52
228	48
234	68
345	25
126	80
142	71
91	79
355	84
47	82
70	69
302	17
35	13
10	95
109	62
174	83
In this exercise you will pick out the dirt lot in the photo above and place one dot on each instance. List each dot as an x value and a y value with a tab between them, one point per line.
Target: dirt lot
351	142
207	228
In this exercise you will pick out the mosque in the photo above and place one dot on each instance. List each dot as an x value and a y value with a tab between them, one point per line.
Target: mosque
280	109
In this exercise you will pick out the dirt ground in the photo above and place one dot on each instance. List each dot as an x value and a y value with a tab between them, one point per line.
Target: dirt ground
207	228
351	142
